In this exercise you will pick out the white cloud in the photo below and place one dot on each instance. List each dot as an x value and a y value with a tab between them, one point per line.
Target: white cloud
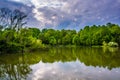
74	70
78	12
49	4
40	17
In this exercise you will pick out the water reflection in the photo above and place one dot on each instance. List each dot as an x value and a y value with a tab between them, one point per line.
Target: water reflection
77	63
13	67
71	71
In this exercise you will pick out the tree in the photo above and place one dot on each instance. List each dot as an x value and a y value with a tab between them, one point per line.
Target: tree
12	19
52	40
76	40
5	17
34	32
17	19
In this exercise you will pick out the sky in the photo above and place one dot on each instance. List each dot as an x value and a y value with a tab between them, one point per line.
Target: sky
66	14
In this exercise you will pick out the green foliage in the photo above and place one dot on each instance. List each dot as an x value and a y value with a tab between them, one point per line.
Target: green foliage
96	56
104	43
112	44
6	47
52	40
96	35
76	40
33	38
34	32
13	41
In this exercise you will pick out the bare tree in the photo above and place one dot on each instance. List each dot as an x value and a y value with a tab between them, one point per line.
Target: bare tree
17	19
12	19
4	17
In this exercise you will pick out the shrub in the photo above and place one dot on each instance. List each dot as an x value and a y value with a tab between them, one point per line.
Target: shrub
113	44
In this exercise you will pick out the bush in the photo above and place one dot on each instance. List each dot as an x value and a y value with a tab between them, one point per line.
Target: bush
10	47
113	44
104	43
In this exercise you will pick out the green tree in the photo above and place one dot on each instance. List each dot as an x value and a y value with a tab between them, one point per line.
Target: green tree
52	40
76	40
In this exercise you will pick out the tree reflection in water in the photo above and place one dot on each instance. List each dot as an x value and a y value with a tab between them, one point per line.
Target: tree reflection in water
17	66
14	68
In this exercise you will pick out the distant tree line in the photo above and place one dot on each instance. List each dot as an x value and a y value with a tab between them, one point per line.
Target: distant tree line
13	37
89	36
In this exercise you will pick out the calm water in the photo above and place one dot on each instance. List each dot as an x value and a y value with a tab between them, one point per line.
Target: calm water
62	64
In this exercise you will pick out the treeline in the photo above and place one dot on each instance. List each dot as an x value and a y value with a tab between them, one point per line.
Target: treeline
14	41
14	37
33	38
89	36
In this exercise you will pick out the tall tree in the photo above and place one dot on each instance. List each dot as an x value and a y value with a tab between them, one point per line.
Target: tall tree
12	19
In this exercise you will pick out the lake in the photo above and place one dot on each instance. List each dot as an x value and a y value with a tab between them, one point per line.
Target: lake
62	63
